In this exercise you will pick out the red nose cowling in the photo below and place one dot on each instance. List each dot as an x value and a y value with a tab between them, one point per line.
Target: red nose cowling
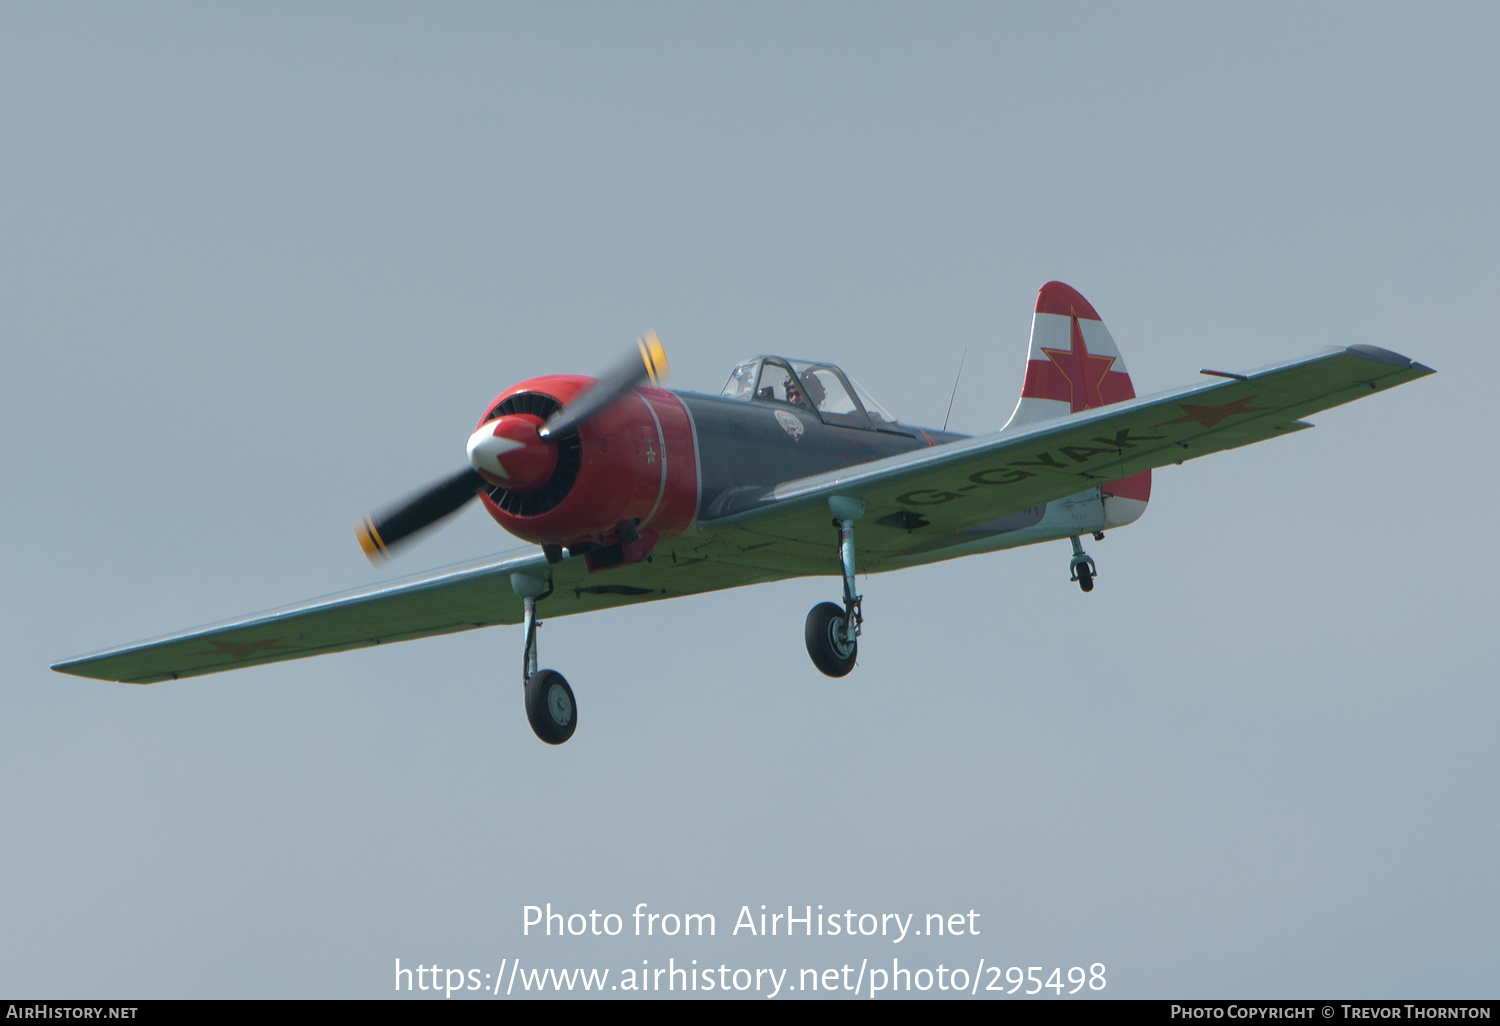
630	470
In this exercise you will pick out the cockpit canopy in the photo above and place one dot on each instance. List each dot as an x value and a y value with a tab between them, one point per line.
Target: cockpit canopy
819	388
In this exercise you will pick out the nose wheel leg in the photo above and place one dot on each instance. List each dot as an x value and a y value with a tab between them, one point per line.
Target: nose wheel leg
832	633
550	707
1081	566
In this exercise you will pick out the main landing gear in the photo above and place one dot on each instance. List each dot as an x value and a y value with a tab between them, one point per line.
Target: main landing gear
831	632
1081	566
550	707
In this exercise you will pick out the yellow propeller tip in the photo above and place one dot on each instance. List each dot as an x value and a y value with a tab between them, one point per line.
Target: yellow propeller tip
369	541
654	357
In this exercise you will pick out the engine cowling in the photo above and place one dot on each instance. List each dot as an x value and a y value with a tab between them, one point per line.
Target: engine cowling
629	471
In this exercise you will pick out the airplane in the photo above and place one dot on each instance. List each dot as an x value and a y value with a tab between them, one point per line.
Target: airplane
629	492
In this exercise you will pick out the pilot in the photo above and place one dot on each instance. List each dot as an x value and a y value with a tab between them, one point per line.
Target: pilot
815	393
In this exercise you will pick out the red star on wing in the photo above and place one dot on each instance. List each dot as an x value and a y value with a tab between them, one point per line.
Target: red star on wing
1084	370
1210	416
244	649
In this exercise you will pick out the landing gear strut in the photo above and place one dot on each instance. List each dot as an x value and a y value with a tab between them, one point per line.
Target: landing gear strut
550	707
832	633
1082	564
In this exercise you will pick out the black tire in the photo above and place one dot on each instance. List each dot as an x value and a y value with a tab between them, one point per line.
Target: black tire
550	708
823	633
1085	577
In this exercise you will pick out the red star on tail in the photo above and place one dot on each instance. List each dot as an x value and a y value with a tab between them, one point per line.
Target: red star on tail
1083	370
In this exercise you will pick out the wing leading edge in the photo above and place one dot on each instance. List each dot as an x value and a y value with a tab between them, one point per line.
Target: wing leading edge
787	533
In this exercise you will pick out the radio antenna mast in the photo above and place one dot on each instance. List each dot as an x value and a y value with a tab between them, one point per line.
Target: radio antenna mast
955	387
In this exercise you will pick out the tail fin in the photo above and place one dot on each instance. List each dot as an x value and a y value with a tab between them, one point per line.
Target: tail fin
1074	365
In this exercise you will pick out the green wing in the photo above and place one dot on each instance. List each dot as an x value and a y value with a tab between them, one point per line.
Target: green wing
955	486
458	598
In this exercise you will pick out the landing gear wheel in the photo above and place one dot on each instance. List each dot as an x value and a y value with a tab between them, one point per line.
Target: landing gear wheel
824	633
550	707
1085	577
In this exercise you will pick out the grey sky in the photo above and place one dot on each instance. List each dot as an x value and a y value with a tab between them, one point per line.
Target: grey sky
263	266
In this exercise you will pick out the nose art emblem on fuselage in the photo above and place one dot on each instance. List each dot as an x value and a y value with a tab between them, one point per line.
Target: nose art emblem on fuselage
792	423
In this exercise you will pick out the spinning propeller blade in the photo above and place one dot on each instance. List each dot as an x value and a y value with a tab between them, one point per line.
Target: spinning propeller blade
649	362
379	533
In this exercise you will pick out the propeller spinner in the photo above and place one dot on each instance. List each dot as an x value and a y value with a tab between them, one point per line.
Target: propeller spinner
517	452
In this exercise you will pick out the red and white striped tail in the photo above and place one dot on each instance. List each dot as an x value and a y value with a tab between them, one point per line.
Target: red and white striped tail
1073	366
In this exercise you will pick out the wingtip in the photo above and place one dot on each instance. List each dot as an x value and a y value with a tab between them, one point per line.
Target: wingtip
78	668
1390	357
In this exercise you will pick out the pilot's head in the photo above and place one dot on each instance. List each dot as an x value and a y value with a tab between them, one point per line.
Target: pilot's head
813	396
815	391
